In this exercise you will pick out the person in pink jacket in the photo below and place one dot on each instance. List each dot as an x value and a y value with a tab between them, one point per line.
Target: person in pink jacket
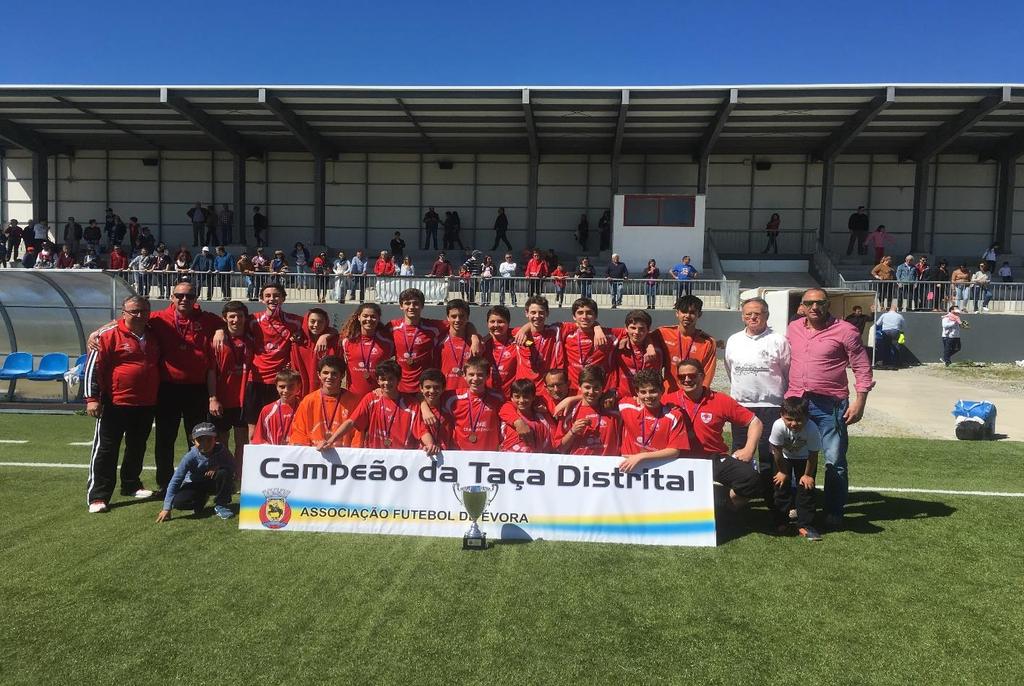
879	239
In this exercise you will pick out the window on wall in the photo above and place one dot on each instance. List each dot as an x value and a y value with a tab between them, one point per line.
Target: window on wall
659	210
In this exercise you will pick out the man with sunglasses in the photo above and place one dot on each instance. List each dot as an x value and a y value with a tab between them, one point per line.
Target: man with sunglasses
184	332
823	347
120	382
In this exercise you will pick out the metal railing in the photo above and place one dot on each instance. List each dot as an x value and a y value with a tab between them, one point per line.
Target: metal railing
824	267
939	295
635	293
755	241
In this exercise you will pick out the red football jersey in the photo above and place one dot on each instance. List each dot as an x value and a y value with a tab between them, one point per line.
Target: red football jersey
441	432
361	358
274	426
273	334
627	362
601	437
454	351
415	349
503	364
706	419
232	365
542	352
385	423
477	419
581	352
541	424
644	431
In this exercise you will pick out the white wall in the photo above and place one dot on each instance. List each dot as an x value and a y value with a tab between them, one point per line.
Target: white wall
371	196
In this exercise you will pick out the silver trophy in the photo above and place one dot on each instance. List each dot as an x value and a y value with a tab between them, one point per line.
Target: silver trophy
475	500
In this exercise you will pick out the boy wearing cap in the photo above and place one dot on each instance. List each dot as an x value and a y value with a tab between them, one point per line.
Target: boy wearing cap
207	468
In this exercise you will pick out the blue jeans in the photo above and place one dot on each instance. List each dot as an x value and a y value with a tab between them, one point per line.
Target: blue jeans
586	288
616	289
983	291
652	293
827	413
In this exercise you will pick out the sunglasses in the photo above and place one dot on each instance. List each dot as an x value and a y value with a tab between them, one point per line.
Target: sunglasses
184	296
812	303
687	377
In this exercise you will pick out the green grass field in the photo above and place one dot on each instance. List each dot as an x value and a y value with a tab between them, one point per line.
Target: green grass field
920	588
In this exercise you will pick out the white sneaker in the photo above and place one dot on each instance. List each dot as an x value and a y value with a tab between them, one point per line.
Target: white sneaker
98	506
140	493
984	309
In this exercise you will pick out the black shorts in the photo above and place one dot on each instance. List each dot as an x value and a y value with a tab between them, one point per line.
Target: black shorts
257	396
231	417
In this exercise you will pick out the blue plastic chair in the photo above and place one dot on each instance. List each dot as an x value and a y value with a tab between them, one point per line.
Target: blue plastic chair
52	367
81	362
16	366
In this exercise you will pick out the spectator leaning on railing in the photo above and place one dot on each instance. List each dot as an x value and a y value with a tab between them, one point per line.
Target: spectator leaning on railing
507	272
358	271
981	285
342	269
617	273
906	276
961	279
224	264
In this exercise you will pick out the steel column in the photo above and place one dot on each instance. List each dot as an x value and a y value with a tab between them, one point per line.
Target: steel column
238	196
320	199
828	178
531	203
159	197
3	186
1005	202
922	176
40	186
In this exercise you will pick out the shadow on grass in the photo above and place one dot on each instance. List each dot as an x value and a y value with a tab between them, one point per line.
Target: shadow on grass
864	509
131	501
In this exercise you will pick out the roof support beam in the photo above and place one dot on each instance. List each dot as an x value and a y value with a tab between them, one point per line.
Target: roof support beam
620	126
711	136
310	139
1005	203
531	127
1011	147
40	187
109	122
320	199
415	123
30	140
853	127
828	182
227	138
935	142
922	180
238	197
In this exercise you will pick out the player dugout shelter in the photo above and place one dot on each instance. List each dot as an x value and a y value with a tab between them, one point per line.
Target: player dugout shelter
345	166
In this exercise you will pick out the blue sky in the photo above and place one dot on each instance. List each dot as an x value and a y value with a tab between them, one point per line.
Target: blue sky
635	42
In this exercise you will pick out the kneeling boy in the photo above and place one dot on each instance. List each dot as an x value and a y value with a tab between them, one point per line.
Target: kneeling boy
207	468
795	442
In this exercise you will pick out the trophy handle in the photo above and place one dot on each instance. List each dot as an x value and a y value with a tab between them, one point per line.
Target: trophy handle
494	494
455	490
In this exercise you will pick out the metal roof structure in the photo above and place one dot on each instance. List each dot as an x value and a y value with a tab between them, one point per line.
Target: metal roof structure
915	121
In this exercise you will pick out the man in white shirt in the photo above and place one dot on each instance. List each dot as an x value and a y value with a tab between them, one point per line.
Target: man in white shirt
342	270
889	326
42	234
507	272
757	363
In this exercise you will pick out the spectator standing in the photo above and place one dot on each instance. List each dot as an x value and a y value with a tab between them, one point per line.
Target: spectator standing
431	221
449	223
858	226
406	268
906	278
41	232
501	230
823	347
652	274
938	288
245	267
991	256
197	215
507	272
279	267
1005	272
880	239
457	230
684	273
858	318
961	280
140	267
161	267
226	221
133	235
259	227
118	260
585	274
617	273
3	254
583	232
261	266
146	240
398	246
211	225
357	269
535	273
202	272
487	273
73	235
13	235
182	262
558	277
604	228
951	325
342	269
122	376
383	268
320	276
471	268
981	285
300	260
889	326
223	264
922	290
93	234
771	230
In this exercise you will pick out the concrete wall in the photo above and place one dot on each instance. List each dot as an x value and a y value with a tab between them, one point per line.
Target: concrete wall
370	196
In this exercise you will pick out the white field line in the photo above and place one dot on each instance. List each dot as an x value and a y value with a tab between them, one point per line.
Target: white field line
877	489
8	440
81	443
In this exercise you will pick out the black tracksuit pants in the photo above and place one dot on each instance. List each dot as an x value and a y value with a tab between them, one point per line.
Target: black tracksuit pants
117	422
738	475
176	402
786	496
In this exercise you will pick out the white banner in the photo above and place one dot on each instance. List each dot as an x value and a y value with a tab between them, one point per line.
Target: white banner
434	289
536	496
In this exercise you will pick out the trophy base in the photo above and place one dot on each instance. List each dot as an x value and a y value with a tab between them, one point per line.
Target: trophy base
474	542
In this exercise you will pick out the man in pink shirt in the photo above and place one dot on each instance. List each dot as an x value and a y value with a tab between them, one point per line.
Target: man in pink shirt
822	348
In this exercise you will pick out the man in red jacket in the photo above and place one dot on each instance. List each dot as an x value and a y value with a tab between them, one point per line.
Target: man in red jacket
184	332
121	379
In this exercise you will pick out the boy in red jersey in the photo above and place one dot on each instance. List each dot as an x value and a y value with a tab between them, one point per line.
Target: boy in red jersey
437	435
650	430
274	424
454	345
415	339
226	380
525	429
324	410
634	352
476	410
538	343
305	356
385	419
705	413
589	428
364	344
584	341
501	350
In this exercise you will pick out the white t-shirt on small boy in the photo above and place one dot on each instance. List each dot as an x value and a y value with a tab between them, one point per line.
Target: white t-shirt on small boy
795	445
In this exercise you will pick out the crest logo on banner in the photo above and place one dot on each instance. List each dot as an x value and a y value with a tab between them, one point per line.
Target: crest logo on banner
275	511
706	417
